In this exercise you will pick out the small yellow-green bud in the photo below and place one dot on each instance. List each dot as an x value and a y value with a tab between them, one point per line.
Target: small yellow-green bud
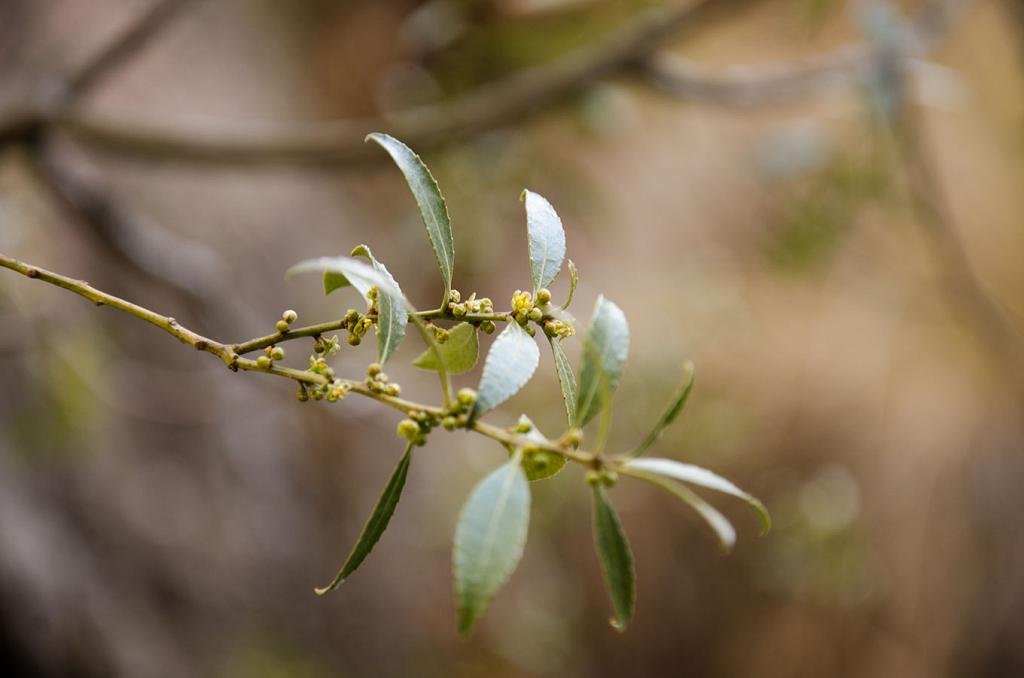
573	438
408	429
354	339
302	395
524	425
440	334
593	477
281	326
373	369
550	328
328	372
277	353
454	296
536	314
609	478
318	394
488	327
543	296
467	396
289	316
449	423
393	390
263	362
486	304
459	311
351	316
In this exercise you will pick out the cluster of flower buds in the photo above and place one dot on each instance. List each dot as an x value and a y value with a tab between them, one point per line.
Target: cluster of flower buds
458	414
416	427
553	327
377	381
459	308
358	325
333	391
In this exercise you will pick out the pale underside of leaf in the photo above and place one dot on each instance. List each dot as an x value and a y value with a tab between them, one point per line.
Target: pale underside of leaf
566	378
377	523
546	239
430	201
392	313
459	351
510	363
702	477
616	559
675	406
489	539
719	524
604	356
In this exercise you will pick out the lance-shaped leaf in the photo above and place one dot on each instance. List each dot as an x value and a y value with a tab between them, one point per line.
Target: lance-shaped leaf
360	275
546	239
675	406
616	559
392	314
489	539
428	198
721	526
574	280
566	379
696	475
377	523
459	351
604	357
393	308
510	363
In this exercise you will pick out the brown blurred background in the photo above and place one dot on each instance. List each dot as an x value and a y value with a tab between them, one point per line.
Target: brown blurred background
840	254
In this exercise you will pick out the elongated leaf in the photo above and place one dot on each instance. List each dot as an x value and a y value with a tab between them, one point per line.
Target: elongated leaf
721	526
546	239
431	203
377	523
489	539
392	305
459	352
696	475
392	314
675	406
574	280
616	559
510	363
566	379
360	275
604	357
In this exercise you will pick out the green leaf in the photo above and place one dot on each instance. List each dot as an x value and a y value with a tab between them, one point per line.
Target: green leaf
546	239
377	523
675	406
489	539
510	363
566	378
334	281
696	475
392	314
604	357
431	203
574	280
459	352
541	464
616	559
721	526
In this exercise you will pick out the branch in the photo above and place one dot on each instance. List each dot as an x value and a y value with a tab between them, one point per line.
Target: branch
337	143
788	81
235	362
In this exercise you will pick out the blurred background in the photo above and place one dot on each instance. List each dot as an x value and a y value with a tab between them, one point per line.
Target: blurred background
816	201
